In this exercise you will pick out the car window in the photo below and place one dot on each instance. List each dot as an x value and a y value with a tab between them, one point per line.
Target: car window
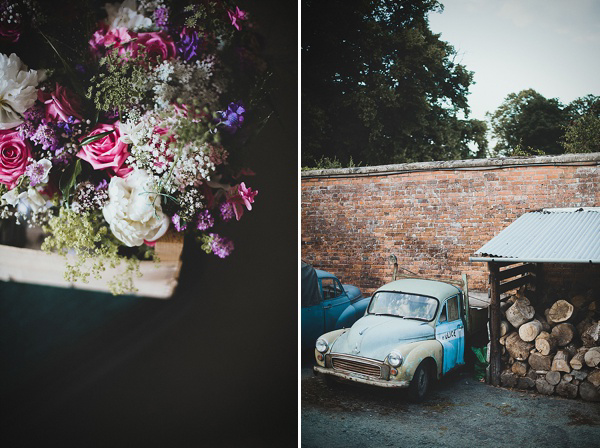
452	305
331	288
403	305
443	317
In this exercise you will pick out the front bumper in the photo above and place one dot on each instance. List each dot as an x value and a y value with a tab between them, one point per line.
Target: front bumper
361	378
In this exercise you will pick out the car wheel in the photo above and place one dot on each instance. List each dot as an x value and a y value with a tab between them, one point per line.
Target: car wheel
420	384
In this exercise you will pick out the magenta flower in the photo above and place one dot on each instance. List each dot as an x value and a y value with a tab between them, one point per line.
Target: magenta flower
237	16
241	195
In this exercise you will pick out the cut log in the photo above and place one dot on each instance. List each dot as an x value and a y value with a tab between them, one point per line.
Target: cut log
560	363
519	368
552	324
553	377
591	335
517	348
508	379
544	387
545	343
532	374
588	391
579	374
579	301
561	311
563	333
530	330
577	361
592	357
519	313
565	389
504	328
502	339
538	362
524	382
594	377
567	377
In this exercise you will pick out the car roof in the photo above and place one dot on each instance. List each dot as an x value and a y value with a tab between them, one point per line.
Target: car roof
322	274
432	288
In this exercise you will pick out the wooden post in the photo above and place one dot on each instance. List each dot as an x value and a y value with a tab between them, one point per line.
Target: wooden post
494	323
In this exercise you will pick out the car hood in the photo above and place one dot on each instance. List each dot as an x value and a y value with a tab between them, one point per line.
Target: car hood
375	336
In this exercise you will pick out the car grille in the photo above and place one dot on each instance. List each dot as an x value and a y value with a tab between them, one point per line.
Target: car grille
366	367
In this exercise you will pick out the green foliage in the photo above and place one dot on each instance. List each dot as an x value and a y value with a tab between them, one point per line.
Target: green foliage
380	87
325	163
529	123
582	134
95	248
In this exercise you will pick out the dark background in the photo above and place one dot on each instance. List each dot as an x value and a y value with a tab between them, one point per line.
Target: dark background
216	365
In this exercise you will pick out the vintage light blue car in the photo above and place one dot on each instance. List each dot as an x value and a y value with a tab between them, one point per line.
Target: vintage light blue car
413	332
327	304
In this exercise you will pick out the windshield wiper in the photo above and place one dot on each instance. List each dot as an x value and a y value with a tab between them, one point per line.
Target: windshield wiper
417	318
385	314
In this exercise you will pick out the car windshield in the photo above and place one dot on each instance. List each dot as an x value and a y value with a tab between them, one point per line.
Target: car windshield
403	305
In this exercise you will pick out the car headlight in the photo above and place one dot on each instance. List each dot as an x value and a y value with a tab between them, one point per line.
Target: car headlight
395	359
322	345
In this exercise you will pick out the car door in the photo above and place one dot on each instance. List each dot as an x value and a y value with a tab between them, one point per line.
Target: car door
450	332
335	301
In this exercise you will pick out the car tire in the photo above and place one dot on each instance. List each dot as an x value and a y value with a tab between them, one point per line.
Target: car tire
419	386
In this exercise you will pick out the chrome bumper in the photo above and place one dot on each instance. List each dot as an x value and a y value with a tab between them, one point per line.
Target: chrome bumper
360	378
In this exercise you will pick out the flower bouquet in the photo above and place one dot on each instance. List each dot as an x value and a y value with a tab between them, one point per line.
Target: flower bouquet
118	145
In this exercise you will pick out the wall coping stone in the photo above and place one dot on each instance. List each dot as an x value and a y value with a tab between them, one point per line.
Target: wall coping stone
470	164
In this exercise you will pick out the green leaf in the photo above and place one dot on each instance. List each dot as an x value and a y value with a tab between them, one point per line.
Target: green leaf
69	179
93	138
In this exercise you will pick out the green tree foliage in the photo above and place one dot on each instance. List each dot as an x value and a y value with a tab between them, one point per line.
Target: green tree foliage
379	87
529	123
582	134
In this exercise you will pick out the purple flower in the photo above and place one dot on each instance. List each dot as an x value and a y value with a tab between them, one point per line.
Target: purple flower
103	185
220	246
161	17
205	220
227	212
233	117
47	135
188	45
176	219
67	126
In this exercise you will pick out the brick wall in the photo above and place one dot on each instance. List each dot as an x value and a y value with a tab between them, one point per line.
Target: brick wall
431	215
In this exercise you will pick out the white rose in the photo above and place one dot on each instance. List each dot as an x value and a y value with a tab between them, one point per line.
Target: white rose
133	211
18	90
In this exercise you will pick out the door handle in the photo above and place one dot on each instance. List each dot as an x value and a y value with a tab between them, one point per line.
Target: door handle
326	307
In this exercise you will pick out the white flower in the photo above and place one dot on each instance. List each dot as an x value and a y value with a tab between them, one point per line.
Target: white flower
133	211
18	89
35	200
31	199
131	132
125	15
13	197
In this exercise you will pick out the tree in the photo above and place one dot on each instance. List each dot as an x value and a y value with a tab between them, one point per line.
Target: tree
582	134
379	87
529	122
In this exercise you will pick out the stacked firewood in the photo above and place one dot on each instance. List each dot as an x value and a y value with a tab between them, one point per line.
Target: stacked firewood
555	350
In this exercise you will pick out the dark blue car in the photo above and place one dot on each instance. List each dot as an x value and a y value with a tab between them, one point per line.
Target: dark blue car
327	304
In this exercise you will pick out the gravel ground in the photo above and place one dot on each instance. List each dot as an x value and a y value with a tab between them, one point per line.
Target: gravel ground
459	412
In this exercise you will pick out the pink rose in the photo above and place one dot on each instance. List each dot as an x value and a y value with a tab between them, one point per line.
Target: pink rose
108	152
14	155
158	45
60	104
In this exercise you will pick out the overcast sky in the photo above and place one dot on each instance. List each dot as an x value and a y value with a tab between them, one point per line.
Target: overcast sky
552	46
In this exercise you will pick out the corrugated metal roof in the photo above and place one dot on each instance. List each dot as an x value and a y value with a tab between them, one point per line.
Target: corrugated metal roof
551	236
